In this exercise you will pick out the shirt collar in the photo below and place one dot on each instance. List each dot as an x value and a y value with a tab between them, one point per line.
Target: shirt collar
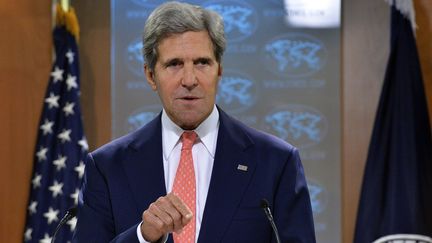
207	133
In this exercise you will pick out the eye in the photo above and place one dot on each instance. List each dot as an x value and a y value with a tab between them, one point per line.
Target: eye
173	63
203	62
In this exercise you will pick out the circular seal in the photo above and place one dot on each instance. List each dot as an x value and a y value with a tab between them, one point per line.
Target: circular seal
404	238
300	125
318	195
141	116
147	3
294	55
240	19
134	58
237	92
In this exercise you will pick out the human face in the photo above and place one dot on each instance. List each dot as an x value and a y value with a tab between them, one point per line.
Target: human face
185	77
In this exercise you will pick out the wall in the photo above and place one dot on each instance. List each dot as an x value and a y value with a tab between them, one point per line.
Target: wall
424	44
25	62
365	38
94	47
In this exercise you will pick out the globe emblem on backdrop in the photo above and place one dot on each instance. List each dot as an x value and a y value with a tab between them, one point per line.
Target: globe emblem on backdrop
236	92
318	196
147	3
294	55
240	19
300	125
134	58
142	116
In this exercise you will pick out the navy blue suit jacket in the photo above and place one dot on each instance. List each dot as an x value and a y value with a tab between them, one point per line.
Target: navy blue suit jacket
123	177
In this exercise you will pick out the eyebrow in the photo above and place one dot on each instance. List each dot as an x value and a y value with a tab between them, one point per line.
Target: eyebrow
171	61
206	59
180	60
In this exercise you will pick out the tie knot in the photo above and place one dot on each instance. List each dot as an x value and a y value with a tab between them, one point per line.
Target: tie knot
188	139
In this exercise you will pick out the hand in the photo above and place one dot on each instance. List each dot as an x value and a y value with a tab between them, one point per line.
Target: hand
168	214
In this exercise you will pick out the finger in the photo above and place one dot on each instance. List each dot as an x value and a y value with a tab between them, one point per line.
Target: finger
158	210
151	227
184	210
175	215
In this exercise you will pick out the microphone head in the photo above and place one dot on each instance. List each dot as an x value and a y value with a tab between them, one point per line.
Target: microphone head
264	203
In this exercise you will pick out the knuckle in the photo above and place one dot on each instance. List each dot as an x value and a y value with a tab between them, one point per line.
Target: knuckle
146	214
153	207
161	199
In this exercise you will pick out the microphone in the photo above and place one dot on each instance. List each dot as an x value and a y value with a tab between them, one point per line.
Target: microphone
265	206
70	213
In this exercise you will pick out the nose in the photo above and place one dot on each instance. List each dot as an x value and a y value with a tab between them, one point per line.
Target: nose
189	80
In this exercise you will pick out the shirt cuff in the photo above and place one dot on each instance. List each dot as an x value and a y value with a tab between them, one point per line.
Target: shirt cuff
142	240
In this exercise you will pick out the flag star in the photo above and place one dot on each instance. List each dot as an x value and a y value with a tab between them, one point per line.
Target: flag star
36	181
51	215
70	56
60	162
52	100
83	143
47	127
74	196
71	82
64	136
80	169
27	234
68	108
46	239
41	154
57	74
72	223
32	207
56	189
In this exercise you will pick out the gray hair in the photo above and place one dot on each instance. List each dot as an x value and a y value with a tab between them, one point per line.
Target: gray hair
176	18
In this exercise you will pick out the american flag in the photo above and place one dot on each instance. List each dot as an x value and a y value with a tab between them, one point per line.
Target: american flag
61	146
396	199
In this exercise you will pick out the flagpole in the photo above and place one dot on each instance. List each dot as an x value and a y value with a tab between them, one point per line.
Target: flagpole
65	4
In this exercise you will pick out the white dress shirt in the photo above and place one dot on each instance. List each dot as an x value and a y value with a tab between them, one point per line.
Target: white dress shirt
203	153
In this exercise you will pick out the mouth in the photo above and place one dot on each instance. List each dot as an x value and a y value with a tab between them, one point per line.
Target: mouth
189	98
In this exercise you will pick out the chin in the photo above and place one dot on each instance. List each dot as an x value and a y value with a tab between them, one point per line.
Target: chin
189	123
190	119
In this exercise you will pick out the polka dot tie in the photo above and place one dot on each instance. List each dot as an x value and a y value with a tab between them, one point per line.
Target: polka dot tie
184	186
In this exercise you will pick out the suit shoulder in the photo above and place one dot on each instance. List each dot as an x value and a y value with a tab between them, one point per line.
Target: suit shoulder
263	139
118	146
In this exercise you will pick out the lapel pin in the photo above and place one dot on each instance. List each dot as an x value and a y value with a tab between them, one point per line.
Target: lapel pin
242	167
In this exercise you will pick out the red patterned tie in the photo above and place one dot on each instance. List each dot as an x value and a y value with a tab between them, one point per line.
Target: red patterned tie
184	186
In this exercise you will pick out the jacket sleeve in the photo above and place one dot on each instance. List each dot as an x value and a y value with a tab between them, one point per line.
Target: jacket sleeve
292	206
95	218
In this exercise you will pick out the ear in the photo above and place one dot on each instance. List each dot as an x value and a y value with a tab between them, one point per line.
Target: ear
150	77
220	70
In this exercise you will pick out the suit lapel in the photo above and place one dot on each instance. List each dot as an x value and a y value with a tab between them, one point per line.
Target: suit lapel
228	182
144	166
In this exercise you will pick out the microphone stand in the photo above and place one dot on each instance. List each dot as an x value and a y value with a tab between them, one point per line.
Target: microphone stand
266	208
68	216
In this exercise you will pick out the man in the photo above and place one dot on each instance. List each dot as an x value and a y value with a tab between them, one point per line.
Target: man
193	174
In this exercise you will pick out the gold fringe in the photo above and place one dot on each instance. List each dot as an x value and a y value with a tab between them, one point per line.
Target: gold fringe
68	19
